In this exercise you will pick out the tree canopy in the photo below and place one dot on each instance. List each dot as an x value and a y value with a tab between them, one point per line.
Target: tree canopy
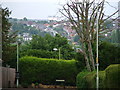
45	46
8	37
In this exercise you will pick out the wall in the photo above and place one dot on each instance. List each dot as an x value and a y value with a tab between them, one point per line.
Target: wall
8	77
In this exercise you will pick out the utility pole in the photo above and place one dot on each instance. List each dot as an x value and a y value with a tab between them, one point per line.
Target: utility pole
59	53
97	64
0	47
17	73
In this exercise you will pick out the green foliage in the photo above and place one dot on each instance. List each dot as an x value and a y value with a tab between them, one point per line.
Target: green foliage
108	24
109	78
12	56
23	28
44	47
46	71
108	54
80	61
88	79
76	38
39	53
81	79
85	79
115	37
8	38
112	79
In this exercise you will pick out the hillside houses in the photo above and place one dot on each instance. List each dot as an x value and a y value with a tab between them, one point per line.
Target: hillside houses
52	27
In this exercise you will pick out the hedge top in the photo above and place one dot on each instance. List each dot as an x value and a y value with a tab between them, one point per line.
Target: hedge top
31	58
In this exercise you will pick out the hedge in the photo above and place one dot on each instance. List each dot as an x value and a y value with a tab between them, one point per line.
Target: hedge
107	78
46	71
112	76
88	79
81	82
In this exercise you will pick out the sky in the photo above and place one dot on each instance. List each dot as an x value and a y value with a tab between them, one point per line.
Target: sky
41	9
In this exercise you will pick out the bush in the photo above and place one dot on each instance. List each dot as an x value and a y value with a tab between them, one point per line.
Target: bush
81	79
107	78
89	80
39	53
80	61
108	54
46	71
86	80
112	79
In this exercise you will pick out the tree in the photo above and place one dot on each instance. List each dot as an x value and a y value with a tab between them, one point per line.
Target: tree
8	37
83	16
25	19
115	37
43	47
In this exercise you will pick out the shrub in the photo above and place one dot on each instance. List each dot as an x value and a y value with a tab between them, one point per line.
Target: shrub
112	79
109	78
88	80
39	53
46	71
108	54
80	61
81	83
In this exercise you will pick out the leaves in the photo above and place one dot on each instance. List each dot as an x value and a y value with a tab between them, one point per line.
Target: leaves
8	37
43	47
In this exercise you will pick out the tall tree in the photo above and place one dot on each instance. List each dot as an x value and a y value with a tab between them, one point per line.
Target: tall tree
83	16
8	37
46	44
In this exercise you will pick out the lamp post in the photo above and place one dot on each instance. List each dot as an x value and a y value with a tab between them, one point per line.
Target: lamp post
17	72
55	49
0	47
97	64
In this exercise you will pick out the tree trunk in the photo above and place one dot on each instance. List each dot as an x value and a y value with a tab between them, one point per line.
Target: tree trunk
86	58
87	62
91	55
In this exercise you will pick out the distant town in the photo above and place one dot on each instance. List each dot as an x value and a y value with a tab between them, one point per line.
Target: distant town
28	27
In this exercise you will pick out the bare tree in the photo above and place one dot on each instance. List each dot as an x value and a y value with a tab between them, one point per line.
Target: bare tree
82	16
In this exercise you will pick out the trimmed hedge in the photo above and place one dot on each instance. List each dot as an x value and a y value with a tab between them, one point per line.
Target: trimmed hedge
46	71
107	78
112	79
81	82
88	79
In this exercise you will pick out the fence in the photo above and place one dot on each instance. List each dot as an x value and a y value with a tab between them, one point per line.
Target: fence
8	77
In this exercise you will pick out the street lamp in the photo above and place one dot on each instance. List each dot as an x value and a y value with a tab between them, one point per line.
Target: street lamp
97	63
55	49
17	72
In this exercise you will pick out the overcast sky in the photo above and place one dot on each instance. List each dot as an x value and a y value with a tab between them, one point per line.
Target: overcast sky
41	9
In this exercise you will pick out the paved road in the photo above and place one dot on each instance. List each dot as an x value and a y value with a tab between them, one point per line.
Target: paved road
39	89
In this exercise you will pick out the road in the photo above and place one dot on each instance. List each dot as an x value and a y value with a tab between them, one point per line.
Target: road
39	89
